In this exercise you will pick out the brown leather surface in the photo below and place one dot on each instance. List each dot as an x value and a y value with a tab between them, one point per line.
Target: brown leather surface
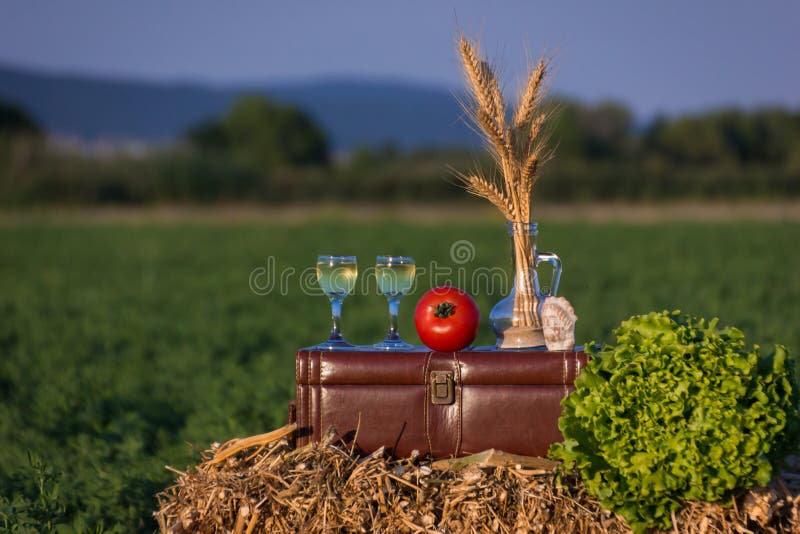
507	400
442	421
291	417
514	419
390	416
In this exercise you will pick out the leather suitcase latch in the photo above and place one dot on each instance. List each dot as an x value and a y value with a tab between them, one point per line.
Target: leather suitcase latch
442	387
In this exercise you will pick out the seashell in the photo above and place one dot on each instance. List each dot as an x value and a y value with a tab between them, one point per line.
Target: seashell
558	323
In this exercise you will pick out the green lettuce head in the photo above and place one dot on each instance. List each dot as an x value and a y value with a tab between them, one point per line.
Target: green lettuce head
676	410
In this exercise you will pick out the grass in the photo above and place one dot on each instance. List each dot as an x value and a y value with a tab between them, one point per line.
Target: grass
121	342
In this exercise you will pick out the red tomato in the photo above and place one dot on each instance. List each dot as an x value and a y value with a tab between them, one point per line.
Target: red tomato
446	318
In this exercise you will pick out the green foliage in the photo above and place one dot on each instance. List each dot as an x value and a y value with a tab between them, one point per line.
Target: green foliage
20	144
209	136
31	501
766	137
121	342
263	152
263	136
676	410
591	132
14	120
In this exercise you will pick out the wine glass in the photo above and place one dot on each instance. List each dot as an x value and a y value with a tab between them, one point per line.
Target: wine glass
337	277
395	276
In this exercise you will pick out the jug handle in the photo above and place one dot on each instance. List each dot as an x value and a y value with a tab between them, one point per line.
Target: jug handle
555	261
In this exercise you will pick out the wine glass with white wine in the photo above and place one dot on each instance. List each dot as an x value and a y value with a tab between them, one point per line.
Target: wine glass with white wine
395	277
337	278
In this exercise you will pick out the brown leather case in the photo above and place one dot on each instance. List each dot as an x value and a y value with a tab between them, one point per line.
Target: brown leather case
439	403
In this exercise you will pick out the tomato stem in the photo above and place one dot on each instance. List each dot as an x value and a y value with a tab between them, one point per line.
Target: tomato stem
444	310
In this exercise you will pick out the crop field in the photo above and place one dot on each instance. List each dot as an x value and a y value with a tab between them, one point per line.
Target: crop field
122	342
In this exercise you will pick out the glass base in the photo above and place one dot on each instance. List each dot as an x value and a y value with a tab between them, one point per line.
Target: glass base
393	344
337	343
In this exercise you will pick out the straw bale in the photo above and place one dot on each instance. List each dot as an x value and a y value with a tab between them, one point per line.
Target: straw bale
262	484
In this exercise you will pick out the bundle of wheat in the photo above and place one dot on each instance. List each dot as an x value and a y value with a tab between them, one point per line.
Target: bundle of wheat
518	145
261	484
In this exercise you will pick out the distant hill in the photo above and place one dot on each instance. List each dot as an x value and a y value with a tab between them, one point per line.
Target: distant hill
353	113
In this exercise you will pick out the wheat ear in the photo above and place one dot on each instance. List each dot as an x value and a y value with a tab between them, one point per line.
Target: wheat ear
536	126
481	187
493	133
498	107
531	97
482	82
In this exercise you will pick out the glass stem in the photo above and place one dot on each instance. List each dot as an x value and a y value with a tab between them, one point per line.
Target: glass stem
394	308
336	317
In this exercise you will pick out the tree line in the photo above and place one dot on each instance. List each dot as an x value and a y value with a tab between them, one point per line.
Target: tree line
261	151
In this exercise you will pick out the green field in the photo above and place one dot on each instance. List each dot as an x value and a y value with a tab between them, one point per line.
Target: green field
119	343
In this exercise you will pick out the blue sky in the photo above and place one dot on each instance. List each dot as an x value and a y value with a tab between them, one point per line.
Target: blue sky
656	56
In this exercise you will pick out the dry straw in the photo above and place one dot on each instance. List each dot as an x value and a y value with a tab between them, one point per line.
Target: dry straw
270	487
